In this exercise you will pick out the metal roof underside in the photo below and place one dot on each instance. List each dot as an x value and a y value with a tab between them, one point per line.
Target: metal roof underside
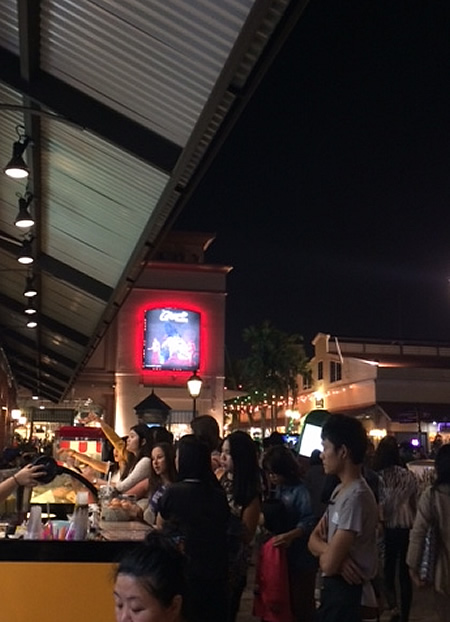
126	103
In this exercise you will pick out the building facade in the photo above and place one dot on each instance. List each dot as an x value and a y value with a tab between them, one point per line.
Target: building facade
396	387
172	324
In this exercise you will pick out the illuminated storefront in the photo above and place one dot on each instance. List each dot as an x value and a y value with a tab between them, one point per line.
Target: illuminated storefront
171	324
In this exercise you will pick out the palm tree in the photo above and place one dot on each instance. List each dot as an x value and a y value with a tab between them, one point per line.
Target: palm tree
274	364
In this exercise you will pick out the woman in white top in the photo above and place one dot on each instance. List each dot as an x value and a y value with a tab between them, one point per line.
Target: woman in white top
139	445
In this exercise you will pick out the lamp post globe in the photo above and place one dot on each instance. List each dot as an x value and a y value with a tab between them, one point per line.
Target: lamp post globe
194	386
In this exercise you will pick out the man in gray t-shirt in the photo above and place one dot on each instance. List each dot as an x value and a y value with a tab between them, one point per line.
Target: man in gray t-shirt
345	538
353	508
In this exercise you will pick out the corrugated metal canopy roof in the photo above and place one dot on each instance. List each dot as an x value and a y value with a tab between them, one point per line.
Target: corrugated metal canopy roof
125	102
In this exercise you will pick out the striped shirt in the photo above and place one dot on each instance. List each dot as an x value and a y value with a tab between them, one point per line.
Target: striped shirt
398	497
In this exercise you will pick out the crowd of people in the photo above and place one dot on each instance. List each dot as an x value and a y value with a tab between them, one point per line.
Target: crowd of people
352	524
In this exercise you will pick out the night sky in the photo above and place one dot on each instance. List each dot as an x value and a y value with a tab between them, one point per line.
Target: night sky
331	197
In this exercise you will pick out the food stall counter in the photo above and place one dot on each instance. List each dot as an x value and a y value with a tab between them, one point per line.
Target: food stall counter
60	580
56	579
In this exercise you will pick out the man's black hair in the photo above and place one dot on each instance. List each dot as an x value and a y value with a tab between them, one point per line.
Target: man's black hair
342	430
206	428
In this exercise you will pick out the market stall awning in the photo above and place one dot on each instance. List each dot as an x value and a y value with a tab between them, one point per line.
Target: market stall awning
125	104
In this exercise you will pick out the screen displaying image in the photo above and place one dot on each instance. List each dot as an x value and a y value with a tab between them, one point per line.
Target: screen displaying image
291	440
171	339
311	439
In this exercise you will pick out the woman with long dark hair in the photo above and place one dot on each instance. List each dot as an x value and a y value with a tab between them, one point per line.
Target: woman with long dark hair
434	509
295	505
195	510
242	484
162	475
139	445
398	508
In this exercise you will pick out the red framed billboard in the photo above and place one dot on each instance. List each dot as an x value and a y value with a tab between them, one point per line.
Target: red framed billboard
171	340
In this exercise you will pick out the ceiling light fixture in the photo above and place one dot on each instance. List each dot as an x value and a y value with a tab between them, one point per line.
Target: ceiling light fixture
16	413
31	324
25	256
30	309
17	167
24	218
30	289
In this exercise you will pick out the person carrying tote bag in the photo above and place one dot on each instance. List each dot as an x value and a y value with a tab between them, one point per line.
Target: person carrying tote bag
434	509
290	519
272	596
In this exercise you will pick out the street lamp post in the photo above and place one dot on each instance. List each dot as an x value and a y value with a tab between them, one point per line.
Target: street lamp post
194	385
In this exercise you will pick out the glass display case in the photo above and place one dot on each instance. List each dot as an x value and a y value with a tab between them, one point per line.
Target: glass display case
60	494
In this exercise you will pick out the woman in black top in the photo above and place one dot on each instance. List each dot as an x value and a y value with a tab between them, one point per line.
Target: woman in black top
195	510
242	485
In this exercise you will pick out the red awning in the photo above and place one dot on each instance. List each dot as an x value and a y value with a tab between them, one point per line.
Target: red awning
79	432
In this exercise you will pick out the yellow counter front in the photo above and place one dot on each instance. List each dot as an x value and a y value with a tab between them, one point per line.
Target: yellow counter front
56	592
53	581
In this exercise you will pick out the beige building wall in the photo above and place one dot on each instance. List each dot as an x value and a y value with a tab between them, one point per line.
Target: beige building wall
199	287
423	385
355	389
373	374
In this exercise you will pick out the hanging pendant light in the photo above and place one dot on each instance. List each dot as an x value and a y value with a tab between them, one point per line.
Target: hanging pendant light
30	309
31	323
17	167
24	218
25	256
30	289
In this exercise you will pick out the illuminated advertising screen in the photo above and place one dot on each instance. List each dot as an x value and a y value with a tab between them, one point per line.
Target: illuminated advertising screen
171	339
311	439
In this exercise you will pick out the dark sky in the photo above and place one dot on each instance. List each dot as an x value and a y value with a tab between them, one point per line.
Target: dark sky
331	197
